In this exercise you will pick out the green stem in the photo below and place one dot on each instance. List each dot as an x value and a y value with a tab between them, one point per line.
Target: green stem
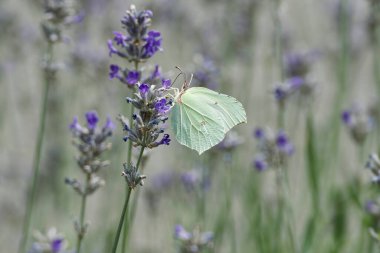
114	247
123	216
278	39
37	153
82	214
129	159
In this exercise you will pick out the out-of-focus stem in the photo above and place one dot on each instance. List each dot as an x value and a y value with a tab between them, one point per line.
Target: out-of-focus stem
37	151
82	214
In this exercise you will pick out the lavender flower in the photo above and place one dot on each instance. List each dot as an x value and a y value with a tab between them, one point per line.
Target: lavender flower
372	208
359	122
260	163
298	64
291	87
137	45
194	242
274	149
92	119
50	242
58	15
166	83
373	164
91	142
132	77
114	71
192	180
152	106
152	44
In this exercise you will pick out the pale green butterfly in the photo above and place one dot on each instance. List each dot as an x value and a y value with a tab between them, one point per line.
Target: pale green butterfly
201	117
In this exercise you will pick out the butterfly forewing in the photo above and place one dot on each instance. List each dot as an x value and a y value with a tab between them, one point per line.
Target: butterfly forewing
202	117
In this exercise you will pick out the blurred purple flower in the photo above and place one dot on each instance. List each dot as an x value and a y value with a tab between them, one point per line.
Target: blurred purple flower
283	143
114	71
162	106
181	234
260	164
75	127
143	88
259	133
56	245
346	117
156	72
165	140
111	48
166	83
152	44
133	77
119	39
92	119
109	125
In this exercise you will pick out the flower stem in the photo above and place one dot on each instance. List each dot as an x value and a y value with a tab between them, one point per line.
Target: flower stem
37	152
129	158
114	247
125	207
82	213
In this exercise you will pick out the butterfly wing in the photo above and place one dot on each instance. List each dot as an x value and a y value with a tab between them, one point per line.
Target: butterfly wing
203	117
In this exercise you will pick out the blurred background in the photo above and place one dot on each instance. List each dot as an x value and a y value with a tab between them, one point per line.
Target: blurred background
249	49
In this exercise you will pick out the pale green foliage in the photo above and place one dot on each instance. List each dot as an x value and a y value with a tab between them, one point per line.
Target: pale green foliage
201	117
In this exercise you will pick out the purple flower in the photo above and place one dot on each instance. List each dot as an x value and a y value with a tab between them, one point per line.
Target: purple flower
119	39
161	106
346	118
260	164
144	88
372	207
181	234
114	71
296	82
156	73
56	245
111	48
109	125
296	64
190	179
92	119
152	44
259	133
133	77
279	93
165	140
166	83
283	143
75	127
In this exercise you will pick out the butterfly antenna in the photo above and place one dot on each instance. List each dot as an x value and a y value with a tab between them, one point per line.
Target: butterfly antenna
181	73
191	79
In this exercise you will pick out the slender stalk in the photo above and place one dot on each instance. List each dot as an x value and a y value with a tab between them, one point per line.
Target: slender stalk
123	216
129	159
82	214
376	53
278	38
37	152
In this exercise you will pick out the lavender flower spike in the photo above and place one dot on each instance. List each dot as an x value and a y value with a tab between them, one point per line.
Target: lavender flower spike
92	119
